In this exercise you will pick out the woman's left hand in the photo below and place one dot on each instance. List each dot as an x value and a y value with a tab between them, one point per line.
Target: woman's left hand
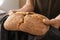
54	22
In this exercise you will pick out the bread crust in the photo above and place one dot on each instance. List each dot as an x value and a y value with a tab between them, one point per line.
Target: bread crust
29	22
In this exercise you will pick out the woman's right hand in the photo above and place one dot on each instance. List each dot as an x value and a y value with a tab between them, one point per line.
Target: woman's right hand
28	7
10	12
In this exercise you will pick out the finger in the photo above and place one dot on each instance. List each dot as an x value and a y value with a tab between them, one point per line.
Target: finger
11	12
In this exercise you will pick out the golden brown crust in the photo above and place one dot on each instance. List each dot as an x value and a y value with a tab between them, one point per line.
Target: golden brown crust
29	22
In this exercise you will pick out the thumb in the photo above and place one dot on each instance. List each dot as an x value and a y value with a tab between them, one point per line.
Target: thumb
46	21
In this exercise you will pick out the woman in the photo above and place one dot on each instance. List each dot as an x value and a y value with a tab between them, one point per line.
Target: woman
49	8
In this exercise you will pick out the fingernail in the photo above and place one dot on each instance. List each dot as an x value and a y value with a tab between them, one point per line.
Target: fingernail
44	20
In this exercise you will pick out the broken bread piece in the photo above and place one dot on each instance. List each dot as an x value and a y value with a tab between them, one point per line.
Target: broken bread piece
29	22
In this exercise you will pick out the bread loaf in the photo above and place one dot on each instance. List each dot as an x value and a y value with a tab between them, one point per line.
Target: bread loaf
29	22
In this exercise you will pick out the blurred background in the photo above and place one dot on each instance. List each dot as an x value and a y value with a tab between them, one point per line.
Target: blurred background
6	5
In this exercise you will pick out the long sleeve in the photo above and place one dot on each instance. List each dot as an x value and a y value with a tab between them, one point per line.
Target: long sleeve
52	34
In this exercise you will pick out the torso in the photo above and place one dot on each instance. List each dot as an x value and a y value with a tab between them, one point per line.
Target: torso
48	8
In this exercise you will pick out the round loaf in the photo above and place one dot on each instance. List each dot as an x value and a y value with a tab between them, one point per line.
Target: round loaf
29	22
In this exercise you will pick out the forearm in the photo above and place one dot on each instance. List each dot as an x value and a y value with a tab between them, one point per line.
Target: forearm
58	17
30	2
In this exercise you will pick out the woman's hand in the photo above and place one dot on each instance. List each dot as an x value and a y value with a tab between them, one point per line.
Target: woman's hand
54	22
10	12
28	7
